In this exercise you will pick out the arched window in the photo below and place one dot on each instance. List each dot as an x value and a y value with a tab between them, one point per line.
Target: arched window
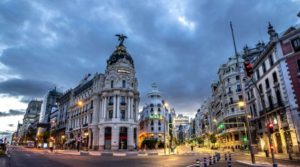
112	84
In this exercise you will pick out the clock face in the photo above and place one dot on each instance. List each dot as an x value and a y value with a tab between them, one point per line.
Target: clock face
123	71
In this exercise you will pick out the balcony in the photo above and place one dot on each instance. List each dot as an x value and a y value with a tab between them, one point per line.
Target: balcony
108	119
123	119
123	103
233	114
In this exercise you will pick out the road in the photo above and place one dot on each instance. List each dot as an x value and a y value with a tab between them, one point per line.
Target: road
32	158
21	157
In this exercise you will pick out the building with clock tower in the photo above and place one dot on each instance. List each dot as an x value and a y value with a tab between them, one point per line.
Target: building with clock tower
104	108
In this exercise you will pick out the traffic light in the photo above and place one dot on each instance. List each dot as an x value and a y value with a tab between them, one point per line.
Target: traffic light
248	69
270	127
221	126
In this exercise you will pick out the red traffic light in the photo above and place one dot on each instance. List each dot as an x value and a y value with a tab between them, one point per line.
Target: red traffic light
248	69
270	125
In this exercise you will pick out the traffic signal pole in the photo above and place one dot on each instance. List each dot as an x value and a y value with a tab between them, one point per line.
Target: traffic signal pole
243	93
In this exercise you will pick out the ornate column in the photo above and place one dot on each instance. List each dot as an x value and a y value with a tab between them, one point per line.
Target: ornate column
104	107
95	138
118	107
90	138
100	136
95	119
115	137
130	136
128	108
131	107
114	106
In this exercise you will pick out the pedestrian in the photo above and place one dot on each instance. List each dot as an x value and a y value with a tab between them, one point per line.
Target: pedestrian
51	146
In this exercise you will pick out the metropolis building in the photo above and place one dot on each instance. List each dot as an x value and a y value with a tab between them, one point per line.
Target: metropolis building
103	109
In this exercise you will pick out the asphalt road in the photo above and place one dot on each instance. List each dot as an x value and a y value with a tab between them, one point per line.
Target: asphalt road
30	158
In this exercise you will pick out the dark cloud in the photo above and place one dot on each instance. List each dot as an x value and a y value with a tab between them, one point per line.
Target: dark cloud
25	87
60	41
11	113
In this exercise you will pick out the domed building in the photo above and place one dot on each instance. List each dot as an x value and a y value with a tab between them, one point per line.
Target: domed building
154	118
104	109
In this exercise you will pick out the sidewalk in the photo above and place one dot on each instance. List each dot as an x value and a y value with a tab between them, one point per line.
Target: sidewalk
4	161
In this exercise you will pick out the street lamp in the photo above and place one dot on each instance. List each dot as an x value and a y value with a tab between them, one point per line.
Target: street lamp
80	103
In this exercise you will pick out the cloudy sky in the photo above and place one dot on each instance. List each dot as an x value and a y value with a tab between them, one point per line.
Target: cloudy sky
179	44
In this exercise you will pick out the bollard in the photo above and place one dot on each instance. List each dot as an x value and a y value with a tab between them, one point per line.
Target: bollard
275	165
214	159
204	162
225	157
197	163
210	162
228	163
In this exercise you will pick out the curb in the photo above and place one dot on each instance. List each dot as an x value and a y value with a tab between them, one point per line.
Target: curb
256	165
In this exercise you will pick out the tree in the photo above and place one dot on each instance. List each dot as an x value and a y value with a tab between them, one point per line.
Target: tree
213	139
200	140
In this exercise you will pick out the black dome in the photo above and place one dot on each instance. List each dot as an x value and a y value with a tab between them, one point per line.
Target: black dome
118	54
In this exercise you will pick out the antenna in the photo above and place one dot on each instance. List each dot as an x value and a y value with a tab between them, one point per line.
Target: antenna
235	51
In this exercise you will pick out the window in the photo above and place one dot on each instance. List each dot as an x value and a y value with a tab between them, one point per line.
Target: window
152	128
123	84
159	128
264	67
123	100
271	61
275	79
159	122
237	78
158	109
228	80
279	99
236	137
229	90
257	74
232	109
110	101
91	104
110	114
123	114
270	102
267	83
260	88
111	83
296	44
238	88
231	100
152	122
240	97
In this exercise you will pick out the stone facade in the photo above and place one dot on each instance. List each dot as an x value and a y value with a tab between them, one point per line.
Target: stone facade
104	109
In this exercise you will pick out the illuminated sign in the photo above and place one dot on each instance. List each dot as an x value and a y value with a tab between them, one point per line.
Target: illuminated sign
155	116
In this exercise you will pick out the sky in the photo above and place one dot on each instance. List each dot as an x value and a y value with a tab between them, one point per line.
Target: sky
178	44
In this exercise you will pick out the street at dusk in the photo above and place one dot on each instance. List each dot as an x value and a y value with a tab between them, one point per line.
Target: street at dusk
149	83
